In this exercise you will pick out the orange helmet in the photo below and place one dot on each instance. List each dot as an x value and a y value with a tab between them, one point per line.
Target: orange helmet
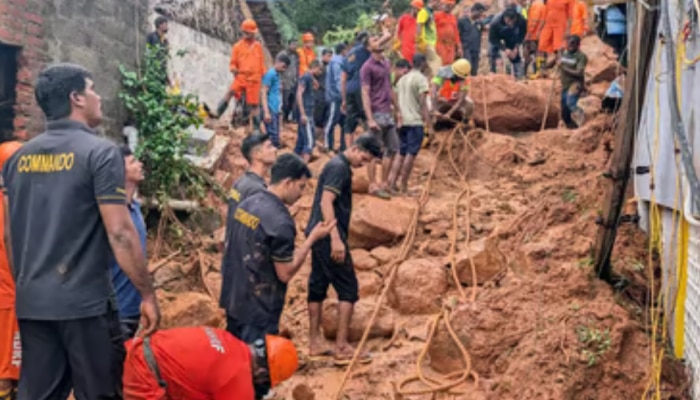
249	26
450	2
307	37
7	149
282	359
417	4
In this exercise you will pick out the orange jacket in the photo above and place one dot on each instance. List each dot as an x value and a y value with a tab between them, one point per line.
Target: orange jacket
197	363
448	36
305	58
406	34
248	60
7	282
559	12
579	20
535	19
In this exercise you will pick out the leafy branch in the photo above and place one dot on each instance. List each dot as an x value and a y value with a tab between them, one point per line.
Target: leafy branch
162	120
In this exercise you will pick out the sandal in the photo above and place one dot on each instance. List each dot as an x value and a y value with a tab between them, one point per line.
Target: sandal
381	193
323	356
365	358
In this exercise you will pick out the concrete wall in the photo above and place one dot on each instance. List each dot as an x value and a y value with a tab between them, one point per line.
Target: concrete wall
99	34
203	70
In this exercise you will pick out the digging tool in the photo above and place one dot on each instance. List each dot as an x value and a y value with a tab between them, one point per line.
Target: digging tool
549	100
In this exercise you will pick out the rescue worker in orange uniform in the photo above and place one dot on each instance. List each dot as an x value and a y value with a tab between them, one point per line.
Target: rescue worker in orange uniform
406	31
449	92
203	363
307	53
248	67
579	19
535	22
557	20
448	45
10	345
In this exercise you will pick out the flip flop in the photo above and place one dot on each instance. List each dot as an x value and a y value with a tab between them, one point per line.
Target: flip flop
364	358
323	356
382	194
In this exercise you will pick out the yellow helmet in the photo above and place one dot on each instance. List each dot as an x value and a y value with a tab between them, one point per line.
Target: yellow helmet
462	68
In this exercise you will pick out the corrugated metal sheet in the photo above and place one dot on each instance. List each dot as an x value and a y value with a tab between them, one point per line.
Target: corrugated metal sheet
655	137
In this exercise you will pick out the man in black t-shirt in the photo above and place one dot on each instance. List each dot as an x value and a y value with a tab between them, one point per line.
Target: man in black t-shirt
331	263
263	259
65	219
260	153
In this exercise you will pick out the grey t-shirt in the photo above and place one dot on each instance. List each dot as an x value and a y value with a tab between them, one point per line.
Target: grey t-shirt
54	184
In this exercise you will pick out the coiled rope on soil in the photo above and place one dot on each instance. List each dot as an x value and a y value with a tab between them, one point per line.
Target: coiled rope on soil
446	382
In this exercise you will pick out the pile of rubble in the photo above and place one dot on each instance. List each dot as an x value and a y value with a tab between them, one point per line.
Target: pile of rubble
542	325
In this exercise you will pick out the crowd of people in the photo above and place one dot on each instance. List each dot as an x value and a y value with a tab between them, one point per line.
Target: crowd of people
69	204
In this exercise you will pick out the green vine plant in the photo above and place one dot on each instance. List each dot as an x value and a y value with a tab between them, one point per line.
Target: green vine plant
341	34
162	120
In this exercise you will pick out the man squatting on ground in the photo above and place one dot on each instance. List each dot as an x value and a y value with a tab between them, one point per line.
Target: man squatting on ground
203	363
260	258
70	333
380	107
128	298
261	154
10	343
331	262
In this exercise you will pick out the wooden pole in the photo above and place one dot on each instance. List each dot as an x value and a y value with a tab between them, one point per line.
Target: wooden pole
641	52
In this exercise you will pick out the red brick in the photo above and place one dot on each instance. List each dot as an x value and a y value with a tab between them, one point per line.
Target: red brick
32	41
37	19
24	75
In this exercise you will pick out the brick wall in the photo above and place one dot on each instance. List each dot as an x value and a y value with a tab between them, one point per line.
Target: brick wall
98	34
22	25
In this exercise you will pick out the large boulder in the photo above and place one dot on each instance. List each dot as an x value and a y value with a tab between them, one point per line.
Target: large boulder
513	106
376	222
602	62
488	262
363	260
360	181
383	326
189	309
419	286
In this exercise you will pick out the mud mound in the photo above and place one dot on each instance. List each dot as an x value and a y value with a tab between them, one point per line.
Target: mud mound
513	106
562	334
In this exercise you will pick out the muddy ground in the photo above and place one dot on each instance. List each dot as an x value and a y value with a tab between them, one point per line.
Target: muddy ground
541	326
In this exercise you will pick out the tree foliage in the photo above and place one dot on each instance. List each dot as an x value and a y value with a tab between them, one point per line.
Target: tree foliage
321	16
162	119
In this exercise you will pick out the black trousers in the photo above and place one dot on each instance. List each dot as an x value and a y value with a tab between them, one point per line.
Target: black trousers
84	355
288	102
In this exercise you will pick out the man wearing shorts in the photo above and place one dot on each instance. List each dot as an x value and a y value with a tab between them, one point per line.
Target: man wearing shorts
306	101
379	104
248	65
261	258
10	345
331	263
412	97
